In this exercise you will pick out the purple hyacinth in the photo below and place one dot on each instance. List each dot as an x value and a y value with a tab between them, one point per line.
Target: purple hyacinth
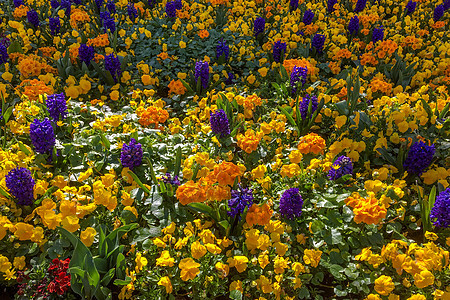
113	65
222	49
33	18
410	7
293	5
304	105
308	17
202	72
55	25
360	5
353	25
1	115
111	6
342	166
240	199
54	4
67	5
438	12
330	5
20	185
131	155
291	203
86	54
259	26
132	12
42	136
318	42
378	34
298	74
99	4
171	9
3	54
279	49
219	123
56	106
108	22
446	5
419	158
230	79
168	179
17	3
441	209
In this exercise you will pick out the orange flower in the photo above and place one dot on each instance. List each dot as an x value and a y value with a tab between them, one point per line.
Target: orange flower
366	210
259	215
191	192
99	41
152	115
311	143
249	142
225	173
177	87
203	33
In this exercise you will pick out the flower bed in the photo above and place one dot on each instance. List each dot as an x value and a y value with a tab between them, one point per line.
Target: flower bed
225	149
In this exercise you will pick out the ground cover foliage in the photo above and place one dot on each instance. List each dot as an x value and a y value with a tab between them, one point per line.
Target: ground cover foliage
224	149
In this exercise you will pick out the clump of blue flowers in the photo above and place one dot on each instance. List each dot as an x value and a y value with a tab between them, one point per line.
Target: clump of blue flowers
291	204
298	74
240	199
419	157
308	17
86	54
56	106
222	49
20	185
304	105
202	72
342	166
259	26
353	25
279	49
42	136
131	155
113	65
318	42
441	210
219	123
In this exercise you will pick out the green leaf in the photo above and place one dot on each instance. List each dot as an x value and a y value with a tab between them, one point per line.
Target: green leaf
187	86
288	116
152	172
236	295
122	282
138	181
8	114
178	161
108	276
105	141
15	47
427	108
120	267
4	193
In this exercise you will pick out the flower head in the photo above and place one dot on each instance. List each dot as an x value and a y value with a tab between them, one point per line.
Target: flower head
330	5
111	6
298	74
419	158
67	5
42	136
113	65
441	209
360	5
131	155
3	54
219	123
222	49
108	22
293	5
341	166
132	12
318	42
353	25
304	106
308	17
56	106
21	185
291	203
202	72
259	26
410	7
378	34
279	49
438	12
86	54
168	179
240	199
33	18
55	25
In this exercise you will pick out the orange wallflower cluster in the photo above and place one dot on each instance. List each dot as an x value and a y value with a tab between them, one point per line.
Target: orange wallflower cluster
191	192
20	12
289	65
341	54
32	66
249	142
311	143
378	85
249	103
368	59
366	210
78	16
259	215
46	51
177	87
152	115
386	47
99	41
412	41
33	88
225	173
73	52
203	33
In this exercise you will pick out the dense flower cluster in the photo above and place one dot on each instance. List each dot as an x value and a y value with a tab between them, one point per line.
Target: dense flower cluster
113	65
202	72
308	17
259	26
298	74
86	54
318	42
441	209
55	25
131	155
304	106
42	136
419	157
219	123
366	210
20	185
222	49
56	106
58	269
240	199
3	54
342	166
279	49
353	25
378	34
291	203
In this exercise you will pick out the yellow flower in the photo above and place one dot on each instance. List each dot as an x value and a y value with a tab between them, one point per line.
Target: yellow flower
263	259
431	236
223	269
4	264
417	297
423	279
23	231
384	285
114	95
312	257
141	262
340	121
165	281
189	269
70	223
264	284
239	262
280	264
19	262
182	44
165	260
87	236
197	250
372	297
236	285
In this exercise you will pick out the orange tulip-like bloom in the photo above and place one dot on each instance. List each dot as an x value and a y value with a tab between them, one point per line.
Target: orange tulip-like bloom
311	143
191	192
87	236
249	142
366	210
